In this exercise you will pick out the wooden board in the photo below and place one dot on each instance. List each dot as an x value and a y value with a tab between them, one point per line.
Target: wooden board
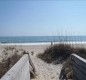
20	71
79	67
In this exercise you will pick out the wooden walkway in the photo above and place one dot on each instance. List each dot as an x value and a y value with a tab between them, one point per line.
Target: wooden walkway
21	70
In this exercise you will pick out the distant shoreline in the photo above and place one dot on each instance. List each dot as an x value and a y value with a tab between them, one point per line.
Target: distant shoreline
44	43
42	39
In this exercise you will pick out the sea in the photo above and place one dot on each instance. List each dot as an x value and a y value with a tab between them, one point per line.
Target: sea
36	39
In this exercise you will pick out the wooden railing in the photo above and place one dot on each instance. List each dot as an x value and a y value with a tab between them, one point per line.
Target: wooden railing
20	71
79	67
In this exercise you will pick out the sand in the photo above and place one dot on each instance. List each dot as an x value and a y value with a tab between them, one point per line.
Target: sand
44	70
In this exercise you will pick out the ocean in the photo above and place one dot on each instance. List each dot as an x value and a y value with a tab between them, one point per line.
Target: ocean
34	39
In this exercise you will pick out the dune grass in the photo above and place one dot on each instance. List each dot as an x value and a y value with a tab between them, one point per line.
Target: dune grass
60	52
5	65
8	62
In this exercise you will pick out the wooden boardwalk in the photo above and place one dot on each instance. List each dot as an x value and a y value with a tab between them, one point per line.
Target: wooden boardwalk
21	70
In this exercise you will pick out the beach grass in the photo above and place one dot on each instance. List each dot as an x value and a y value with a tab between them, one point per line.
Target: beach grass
60	52
8	62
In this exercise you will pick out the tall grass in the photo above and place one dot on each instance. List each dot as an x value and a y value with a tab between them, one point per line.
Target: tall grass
60	52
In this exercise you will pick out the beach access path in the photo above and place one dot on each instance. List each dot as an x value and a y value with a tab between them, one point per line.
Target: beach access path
44	70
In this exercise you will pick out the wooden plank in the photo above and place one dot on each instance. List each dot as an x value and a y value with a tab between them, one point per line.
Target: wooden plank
32	67
79	67
20	71
31	63
78	60
79	74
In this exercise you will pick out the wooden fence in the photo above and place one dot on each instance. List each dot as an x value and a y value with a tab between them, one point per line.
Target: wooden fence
79	67
20	71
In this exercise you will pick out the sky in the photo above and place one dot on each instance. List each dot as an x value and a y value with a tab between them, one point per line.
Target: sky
42	18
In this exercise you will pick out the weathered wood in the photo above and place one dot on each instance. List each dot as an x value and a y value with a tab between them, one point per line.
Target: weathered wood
79	67
31	63
32	67
20	71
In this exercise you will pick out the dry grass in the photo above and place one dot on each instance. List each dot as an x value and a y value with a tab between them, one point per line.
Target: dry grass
7	63
59	53
81	52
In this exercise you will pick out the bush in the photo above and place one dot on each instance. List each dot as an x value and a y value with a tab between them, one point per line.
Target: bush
81	52
59	53
56	53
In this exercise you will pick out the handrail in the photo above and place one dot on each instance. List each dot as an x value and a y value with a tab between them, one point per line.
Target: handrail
79	67
20	71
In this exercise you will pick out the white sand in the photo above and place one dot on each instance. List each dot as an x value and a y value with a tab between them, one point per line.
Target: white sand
46	71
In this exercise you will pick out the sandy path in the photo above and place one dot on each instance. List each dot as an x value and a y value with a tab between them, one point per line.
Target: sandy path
46	71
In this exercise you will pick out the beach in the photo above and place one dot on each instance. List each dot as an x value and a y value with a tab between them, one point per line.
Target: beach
44	70
37	48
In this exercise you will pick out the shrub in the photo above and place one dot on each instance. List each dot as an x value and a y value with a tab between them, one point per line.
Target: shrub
56	53
60	52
